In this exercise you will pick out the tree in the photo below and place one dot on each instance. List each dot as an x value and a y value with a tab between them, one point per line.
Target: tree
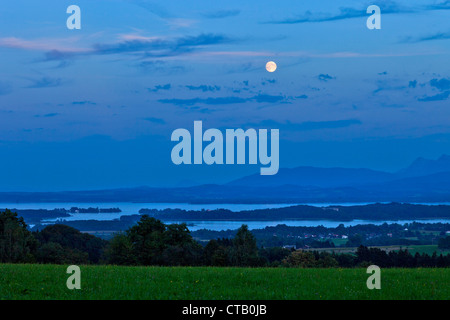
327	261
345	260
216	253
444	243
17	244
147	239
245	250
53	252
275	255
154	243
73	242
184	254
300	259
120	250
181	248
355	240
176	234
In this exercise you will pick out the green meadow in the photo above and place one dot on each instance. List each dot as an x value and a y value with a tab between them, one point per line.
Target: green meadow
412	249
33	281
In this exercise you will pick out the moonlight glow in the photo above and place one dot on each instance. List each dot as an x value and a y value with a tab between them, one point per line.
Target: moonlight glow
271	66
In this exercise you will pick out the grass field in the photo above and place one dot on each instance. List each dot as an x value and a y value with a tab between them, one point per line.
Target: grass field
111	282
428	249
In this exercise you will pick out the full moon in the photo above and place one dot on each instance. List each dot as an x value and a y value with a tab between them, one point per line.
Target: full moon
271	66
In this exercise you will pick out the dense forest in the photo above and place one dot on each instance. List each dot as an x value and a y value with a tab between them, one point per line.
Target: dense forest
151	242
378	211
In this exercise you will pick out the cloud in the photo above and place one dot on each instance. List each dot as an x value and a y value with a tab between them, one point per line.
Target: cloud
412	84
387	7
436	36
152	51
83	103
160	66
241	68
308	125
155	120
202	40
152	7
382	86
325	77
203	88
445	5
160	87
440	84
55	49
437	97
48	115
58	45
162	13
267	98
260	98
208	101
147	47
222	14
58	55
315	125
45	82
161	47
271	81
176	23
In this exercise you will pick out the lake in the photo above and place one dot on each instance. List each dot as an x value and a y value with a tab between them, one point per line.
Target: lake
232	225
133	208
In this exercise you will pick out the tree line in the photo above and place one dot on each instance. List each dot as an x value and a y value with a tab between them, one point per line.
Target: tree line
377	211
151	242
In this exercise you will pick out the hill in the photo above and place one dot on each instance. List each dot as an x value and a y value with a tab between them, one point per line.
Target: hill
423	167
344	177
422	181
317	177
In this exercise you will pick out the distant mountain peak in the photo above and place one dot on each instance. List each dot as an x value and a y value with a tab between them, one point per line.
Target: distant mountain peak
422	166
307	176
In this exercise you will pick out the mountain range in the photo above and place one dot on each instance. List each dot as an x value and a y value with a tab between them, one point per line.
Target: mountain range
423	181
347	177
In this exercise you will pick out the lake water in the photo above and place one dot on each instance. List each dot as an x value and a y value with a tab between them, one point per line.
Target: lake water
232	225
133	208
129	208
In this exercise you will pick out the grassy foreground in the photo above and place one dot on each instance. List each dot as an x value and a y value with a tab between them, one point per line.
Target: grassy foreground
112	282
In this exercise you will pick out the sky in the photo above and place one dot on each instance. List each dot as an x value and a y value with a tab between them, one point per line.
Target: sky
95	108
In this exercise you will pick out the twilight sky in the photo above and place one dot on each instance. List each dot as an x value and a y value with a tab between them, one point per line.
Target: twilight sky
95	108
